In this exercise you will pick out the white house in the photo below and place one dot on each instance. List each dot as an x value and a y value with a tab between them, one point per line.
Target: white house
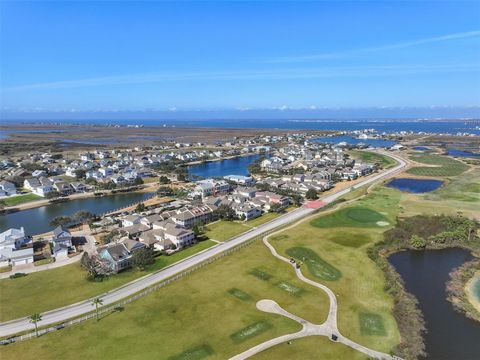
15	248
131	220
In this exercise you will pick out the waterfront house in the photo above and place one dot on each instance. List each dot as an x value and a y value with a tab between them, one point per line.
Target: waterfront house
8	188
79	187
62	236
15	248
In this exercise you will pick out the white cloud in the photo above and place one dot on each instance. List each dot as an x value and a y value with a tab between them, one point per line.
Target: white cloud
400	45
266	74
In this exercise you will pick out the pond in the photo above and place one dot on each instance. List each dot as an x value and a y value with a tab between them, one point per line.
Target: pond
378	143
415	186
462	153
236	166
37	220
421	148
451	335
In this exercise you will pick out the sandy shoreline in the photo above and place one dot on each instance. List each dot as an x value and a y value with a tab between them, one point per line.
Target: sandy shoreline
469	290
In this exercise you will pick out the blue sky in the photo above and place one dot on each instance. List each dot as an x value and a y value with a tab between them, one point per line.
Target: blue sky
133	55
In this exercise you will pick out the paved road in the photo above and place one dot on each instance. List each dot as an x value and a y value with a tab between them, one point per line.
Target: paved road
83	307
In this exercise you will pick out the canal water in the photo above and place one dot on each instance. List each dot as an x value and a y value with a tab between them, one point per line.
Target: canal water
415	186
450	335
236	166
377	143
37	220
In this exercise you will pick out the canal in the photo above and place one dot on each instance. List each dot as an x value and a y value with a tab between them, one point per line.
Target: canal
37	220
450	335
235	166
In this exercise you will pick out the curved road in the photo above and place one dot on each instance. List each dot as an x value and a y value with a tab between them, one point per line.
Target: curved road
83	307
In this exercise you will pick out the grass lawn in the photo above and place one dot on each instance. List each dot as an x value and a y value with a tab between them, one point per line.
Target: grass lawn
44	261
163	261
315	264
194	317
360	288
461	193
29	294
354	216
21	199
313	347
372	158
224	230
442	165
262	219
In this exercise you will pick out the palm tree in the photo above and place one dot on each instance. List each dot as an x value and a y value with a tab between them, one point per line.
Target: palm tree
35	318
97	302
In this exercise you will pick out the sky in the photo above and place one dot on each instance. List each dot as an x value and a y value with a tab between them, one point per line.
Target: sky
107	56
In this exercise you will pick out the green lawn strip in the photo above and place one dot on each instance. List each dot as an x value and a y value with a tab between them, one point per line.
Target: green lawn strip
224	230
195	353
443	166
290	288
372	158
371	324
44	261
239	294
260	274
262	219
29	294
21	199
250	331
166	260
315	264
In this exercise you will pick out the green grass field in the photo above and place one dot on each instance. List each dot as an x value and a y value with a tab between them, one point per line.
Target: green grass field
21	199
442	165
189	319
315	264
224	230
372	158
459	193
360	288
29	294
351	217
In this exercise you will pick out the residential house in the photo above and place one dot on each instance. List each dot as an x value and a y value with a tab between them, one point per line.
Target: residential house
62	242
8	188
15	248
118	255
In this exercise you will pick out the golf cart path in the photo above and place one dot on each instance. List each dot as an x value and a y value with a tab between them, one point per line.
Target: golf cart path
328	328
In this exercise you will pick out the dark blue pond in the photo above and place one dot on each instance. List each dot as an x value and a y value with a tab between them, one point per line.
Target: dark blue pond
416	186
237	166
450	335
421	148
378	143
461	153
